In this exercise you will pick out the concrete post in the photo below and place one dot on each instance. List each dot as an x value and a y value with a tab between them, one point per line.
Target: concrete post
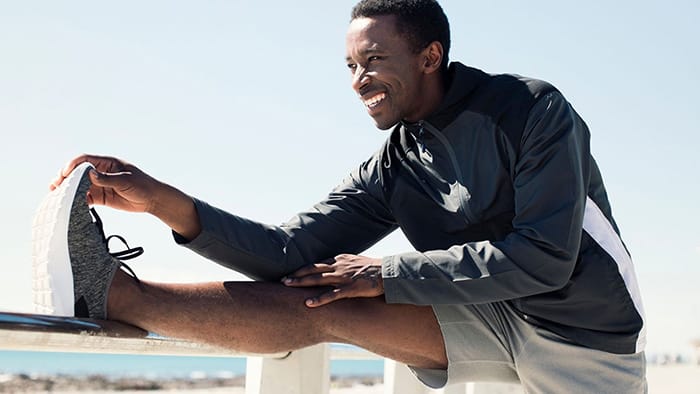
305	371
398	379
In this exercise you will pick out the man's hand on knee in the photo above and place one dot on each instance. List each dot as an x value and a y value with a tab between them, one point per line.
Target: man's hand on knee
350	276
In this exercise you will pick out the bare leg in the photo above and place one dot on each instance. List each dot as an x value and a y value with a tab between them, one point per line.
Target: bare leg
269	317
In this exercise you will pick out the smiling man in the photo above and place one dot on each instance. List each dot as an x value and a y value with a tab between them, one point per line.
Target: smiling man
393	82
518	272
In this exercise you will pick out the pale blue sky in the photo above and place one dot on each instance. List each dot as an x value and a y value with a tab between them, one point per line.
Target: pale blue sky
247	105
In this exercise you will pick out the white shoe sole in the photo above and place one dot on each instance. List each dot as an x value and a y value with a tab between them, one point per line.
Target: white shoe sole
52	273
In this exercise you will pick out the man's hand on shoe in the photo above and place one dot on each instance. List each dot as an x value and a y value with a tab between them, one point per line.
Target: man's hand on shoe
121	185
115	183
350	276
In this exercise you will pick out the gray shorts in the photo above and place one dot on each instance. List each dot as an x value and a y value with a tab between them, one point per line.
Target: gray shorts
491	342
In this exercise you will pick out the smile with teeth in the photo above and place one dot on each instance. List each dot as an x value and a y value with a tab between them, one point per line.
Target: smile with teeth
374	100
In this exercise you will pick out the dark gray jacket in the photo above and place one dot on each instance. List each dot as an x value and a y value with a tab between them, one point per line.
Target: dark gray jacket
499	195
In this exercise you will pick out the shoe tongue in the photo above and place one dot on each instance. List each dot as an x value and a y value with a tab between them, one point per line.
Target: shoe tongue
81	308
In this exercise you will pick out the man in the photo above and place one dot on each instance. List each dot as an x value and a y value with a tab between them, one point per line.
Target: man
519	273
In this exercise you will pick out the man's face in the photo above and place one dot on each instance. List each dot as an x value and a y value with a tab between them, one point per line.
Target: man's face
385	71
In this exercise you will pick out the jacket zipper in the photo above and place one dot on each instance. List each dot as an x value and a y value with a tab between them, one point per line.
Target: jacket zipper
424	152
465	195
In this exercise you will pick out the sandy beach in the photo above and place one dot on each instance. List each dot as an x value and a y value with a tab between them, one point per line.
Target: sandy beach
663	379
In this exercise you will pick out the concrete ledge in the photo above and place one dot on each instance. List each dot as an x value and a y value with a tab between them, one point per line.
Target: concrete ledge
305	371
20	331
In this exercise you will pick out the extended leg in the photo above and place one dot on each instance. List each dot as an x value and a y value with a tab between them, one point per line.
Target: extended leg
85	280
269	317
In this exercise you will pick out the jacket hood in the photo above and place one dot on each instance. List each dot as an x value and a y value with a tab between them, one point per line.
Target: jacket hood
461	81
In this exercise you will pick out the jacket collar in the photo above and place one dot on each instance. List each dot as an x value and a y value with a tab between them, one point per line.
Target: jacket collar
461	81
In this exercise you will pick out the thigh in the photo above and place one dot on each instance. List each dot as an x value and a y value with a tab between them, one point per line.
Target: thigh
406	333
549	363
477	345
455	343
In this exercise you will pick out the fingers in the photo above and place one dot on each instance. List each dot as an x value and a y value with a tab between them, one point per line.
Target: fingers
109	180
349	276
352	290
103	164
327	297
311	275
315	275
56	182
67	169
312	269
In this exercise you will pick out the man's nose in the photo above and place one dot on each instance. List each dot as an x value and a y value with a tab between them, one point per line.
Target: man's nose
359	79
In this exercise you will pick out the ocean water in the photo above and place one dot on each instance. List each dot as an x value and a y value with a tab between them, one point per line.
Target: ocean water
119	365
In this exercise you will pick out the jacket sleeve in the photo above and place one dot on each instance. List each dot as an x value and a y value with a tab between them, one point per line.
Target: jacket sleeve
549	182
349	220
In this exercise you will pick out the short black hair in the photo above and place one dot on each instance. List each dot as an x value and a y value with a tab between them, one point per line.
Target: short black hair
420	21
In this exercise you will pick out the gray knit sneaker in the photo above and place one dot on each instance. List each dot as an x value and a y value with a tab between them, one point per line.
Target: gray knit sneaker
72	266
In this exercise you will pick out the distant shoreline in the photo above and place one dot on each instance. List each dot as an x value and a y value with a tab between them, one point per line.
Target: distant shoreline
13	383
670	378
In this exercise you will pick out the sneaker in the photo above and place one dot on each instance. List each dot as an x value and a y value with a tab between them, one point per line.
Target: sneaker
72	266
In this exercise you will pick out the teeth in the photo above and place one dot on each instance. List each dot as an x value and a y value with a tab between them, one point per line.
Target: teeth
374	100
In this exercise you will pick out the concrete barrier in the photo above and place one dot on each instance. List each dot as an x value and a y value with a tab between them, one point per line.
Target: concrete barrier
305	371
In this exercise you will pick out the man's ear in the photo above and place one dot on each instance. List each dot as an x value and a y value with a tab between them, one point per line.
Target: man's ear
432	57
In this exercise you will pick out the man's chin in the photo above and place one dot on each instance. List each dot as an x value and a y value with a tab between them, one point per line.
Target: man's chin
384	125
385	128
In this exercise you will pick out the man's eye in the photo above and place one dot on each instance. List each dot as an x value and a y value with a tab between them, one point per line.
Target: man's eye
373	58
352	67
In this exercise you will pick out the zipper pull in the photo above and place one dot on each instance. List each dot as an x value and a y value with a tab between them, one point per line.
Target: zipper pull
424	152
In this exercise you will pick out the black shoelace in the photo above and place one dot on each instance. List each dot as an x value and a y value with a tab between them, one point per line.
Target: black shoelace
126	254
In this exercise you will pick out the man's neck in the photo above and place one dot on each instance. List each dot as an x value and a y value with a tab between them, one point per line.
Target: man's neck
434	90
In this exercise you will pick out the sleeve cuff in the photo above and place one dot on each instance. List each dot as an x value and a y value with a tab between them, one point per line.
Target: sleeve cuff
204	237
390	273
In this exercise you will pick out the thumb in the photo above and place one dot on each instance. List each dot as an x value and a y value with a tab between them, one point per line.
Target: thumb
106	180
